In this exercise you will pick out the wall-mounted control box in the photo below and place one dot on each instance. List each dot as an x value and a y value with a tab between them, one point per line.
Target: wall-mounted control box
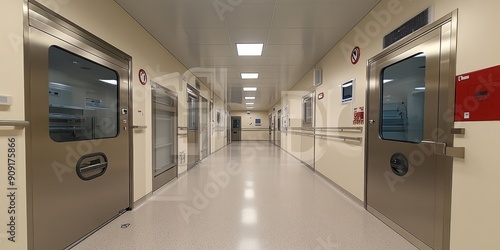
477	95
5	100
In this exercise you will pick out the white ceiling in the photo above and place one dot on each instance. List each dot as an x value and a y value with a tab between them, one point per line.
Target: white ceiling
296	35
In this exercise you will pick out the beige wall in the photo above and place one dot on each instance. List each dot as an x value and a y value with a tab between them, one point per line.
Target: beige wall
475	204
250	132
219	129
12	68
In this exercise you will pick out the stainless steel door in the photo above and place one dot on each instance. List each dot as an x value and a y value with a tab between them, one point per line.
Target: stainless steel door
408	181
278	129
270	128
274	128
78	167
307	141
164	104
204	124
236	128
193	128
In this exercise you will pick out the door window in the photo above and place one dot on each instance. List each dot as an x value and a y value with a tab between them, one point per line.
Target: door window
193	112
403	97
307	111
83	98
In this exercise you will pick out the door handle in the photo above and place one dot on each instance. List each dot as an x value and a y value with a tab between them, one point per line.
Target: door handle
440	148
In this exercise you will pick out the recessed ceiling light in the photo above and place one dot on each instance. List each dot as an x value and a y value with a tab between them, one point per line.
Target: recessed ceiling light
249	89
388	80
113	82
420	88
250	103
250	98
254	49
249	75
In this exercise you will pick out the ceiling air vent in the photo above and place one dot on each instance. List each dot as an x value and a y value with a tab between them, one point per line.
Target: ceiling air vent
317	77
407	28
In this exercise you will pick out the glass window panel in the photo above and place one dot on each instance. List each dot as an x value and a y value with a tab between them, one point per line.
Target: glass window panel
279	120
307	110
83	98
403	98
193	112
164	139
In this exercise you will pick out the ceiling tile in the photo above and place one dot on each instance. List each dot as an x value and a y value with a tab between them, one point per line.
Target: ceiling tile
280	50
216	50
250	16
218	61
249	61
345	14
299	15
208	36
249	35
201	15
288	60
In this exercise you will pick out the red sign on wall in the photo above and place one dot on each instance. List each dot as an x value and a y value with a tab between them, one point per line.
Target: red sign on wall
359	116
143	77
477	95
355	55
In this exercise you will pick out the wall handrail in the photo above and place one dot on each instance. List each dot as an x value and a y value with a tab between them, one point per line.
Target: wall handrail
14	123
338	129
341	129
255	129
345	138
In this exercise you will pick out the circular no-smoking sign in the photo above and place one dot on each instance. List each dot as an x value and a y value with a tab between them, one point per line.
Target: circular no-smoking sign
355	55
143	77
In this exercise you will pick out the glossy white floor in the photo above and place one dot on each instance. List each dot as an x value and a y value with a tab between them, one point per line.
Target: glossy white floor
249	195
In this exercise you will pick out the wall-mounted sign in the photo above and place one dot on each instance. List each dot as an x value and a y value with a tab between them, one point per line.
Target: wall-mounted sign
258	122
359	116
355	55
143	77
347	91
321	96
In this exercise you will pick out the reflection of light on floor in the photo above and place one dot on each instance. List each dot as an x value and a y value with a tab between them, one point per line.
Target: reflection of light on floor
249	194
249	216
249	183
248	244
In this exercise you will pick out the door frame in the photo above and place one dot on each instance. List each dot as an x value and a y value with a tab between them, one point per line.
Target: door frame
238	129
190	90
42	18
204	101
446	99
170	174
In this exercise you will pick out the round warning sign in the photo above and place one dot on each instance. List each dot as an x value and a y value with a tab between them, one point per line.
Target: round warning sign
143	77
355	55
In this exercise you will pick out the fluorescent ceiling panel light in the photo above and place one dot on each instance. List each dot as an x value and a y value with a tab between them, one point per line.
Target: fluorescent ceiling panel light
249	98
250	103
420	88
249	89
249	75
112	82
388	80
249	49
